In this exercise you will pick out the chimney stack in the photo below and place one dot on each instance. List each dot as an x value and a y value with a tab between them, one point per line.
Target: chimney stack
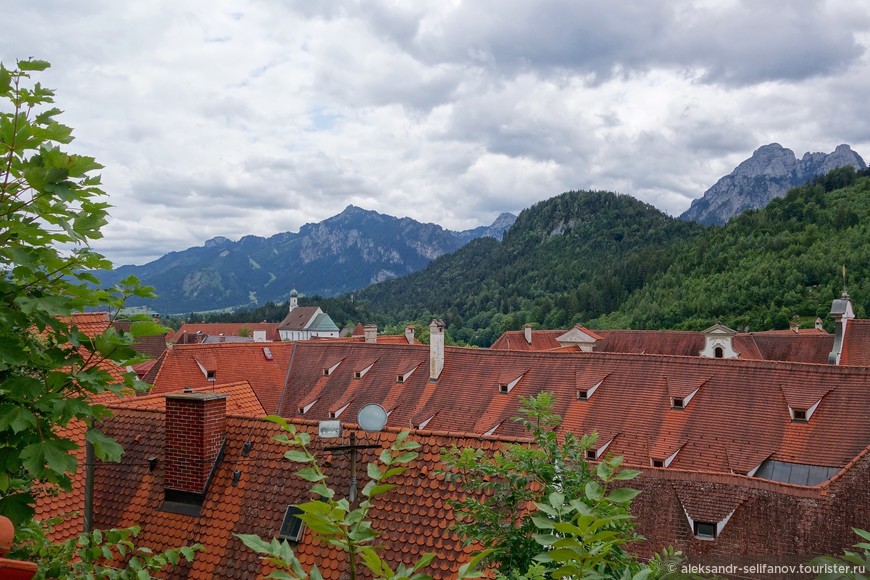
527	332
841	312
371	333
194	436
409	334
819	324
436	349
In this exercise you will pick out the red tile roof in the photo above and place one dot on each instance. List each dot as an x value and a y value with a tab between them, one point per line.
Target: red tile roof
226	329
241	399
299	318
412	520
182	366
856	346
737	418
811	346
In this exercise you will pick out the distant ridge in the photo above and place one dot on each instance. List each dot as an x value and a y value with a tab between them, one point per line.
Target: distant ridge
341	254
769	173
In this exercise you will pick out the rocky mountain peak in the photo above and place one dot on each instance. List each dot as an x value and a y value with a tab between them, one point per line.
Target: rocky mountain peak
770	172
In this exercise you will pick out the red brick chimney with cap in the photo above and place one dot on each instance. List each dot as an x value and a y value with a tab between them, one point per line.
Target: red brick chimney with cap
194	437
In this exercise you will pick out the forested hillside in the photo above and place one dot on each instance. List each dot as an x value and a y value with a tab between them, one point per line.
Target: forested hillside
568	259
767	266
609	261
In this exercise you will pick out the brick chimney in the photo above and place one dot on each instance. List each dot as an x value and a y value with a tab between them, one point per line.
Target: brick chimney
409	334
371	333
436	349
194	436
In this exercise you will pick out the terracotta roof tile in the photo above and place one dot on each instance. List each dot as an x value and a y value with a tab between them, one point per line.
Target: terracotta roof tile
180	367
733	400
189	329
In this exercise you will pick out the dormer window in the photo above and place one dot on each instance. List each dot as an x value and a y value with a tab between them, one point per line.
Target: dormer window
362	372
305	408
591	454
210	376
658	463
507	387
677	403
337	413
585	393
404	378
329	370
718	352
705	530
799	415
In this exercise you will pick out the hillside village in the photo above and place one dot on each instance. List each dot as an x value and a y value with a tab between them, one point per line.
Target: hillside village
749	443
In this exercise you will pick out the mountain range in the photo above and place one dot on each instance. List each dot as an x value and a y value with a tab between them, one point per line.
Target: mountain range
358	248
345	252
769	173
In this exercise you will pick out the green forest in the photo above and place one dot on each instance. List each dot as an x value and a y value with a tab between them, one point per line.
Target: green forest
607	260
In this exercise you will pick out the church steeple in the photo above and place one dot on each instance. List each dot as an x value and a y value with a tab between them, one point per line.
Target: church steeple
294	299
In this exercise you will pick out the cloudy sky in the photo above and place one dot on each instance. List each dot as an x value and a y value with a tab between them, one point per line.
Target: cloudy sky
228	118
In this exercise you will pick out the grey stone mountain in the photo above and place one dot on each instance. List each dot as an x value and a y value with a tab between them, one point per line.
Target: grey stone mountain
770	172
346	252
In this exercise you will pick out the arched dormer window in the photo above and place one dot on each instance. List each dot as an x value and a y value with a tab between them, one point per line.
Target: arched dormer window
718	352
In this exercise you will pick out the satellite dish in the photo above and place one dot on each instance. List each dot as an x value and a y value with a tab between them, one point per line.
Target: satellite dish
372	417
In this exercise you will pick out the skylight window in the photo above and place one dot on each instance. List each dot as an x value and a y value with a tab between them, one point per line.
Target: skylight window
267	353
292	528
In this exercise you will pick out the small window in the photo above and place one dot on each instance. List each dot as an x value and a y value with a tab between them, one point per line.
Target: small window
583	395
210	375
658	463
357	374
502	388
591	454
705	530
677	403
400	378
292	527
325	372
718	352
799	415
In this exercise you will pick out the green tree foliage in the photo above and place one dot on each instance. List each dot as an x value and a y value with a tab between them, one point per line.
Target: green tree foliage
109	555
51	208
566	260
766	267
852	565
576	515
